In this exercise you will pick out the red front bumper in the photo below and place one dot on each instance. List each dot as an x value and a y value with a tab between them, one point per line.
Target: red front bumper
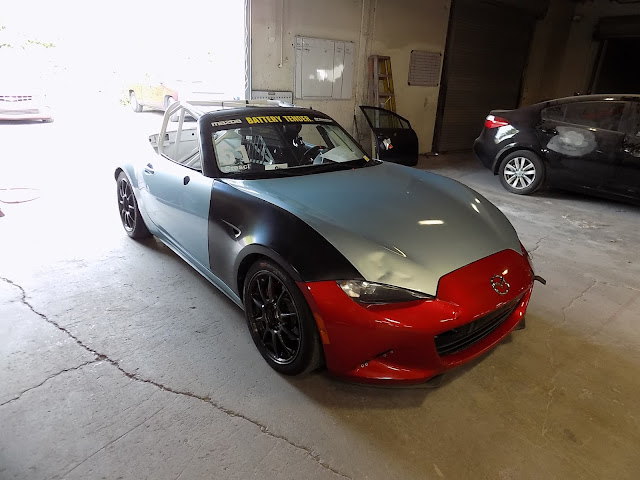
395	343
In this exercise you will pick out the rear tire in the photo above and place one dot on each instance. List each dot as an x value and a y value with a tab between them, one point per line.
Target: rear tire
135	105
130	217
280	321
522	172
168	100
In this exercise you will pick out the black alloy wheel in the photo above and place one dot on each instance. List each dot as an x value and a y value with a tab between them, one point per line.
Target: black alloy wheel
128	208
280	321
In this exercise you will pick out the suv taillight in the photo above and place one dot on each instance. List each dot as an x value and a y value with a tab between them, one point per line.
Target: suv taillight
494	122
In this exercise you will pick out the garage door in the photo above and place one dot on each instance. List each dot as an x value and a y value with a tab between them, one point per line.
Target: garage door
486	54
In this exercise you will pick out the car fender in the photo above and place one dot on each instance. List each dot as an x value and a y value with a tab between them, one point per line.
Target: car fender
137	89
243	227
526	144
248	253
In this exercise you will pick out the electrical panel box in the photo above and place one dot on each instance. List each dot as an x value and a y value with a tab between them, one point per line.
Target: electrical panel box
323	69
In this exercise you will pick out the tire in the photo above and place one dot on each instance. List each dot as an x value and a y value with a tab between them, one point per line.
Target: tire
521	172
128	208
280	320
135	106
168	100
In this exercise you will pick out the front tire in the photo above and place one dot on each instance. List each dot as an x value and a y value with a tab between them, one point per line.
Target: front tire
128	208
522	172
135	105
280	320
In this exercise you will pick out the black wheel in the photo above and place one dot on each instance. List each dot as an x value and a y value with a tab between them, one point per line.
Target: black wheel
522	172
128	207
280	320
135	106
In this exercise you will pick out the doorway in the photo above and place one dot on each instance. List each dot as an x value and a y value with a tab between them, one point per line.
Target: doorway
617	70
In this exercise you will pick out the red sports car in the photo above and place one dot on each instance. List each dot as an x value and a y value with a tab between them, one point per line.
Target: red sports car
382	272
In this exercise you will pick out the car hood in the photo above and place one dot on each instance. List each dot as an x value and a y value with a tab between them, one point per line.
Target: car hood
397	225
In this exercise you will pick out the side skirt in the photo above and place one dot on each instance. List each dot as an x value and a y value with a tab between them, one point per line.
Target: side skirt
204	271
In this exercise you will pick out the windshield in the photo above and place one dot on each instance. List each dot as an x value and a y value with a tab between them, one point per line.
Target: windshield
299	147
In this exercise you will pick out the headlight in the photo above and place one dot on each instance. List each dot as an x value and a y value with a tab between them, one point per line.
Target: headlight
376	293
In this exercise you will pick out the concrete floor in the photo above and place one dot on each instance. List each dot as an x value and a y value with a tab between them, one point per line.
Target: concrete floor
117	360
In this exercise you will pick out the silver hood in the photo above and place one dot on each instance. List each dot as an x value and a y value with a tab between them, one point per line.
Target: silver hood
397	225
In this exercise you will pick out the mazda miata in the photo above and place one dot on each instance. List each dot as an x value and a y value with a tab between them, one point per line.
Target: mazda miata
382	272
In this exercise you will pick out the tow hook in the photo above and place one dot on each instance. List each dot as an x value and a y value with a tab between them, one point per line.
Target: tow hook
539	279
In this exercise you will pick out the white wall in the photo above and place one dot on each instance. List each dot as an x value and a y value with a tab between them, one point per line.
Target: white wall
399	28
382	27
332	19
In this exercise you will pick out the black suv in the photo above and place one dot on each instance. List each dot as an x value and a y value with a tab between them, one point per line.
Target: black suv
587	143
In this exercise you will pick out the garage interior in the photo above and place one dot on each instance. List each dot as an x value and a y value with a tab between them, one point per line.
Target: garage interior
118	360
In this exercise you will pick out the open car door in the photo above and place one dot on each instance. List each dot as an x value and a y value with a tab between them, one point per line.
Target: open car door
393	138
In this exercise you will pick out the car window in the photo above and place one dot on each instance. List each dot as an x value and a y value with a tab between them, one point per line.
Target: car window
282	145
184	149
385	119
554	114
605	114
631	123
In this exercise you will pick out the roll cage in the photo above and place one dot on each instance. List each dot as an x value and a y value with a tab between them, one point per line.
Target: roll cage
196	109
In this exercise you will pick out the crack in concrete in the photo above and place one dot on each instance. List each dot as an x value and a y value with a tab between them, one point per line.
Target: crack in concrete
628	287
617	313
544	429
133	376
538	244
112	442
17	397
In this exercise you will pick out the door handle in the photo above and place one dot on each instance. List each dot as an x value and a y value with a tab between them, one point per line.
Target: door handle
186	179
634	151
149	169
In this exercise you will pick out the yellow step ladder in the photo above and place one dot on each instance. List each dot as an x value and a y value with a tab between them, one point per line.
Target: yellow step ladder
381	83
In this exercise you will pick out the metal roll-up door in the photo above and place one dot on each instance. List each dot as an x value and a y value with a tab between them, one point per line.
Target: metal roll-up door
487	50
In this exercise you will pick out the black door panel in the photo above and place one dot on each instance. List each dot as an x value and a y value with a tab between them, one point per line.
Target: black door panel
627	177
628	168
580	141
393	138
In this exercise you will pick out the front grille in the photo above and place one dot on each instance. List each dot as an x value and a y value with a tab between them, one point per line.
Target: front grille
459	338
15	98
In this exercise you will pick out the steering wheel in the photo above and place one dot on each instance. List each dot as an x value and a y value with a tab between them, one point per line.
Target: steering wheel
309	155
